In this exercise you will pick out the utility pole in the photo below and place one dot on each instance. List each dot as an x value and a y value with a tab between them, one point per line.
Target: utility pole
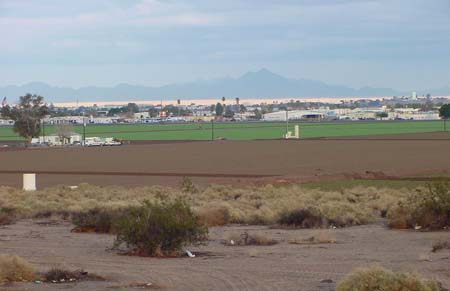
84	132
161	112
212	129
287	122
43	131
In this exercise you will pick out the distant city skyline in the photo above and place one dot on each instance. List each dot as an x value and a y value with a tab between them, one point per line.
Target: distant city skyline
399	44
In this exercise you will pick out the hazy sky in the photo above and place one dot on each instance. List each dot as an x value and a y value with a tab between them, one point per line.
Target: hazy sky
403	44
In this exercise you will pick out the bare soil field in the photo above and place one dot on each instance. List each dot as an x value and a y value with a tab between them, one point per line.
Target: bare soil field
284	266
236	162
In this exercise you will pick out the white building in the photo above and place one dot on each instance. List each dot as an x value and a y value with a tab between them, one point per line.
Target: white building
6	122
295	115
55	140
413	114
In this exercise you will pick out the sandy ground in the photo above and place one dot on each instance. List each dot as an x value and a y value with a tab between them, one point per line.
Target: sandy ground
229	161
218	267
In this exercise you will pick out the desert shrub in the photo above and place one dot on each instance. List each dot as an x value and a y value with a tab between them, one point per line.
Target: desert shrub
61	275
57	275
301	218
188	186
7	215
96	220
246	239
381	279
159	229
429	209
213	216
15	269
400	216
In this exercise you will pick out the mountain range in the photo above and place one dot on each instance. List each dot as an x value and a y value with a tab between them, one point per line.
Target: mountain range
260	84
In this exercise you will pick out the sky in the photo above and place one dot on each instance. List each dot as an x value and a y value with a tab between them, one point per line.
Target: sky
402	44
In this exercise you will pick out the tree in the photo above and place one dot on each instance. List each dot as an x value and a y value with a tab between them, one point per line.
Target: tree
132	108
242	108
258	114
381	115
153	112
228	112
444	113
219	109
27	115
64	131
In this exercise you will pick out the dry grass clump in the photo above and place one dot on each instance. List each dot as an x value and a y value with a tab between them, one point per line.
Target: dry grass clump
321	237
61	275
15	269
216	204
246	239
213	216
426	209
378	278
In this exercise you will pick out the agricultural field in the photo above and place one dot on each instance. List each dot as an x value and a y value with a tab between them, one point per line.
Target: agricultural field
243	131
229	161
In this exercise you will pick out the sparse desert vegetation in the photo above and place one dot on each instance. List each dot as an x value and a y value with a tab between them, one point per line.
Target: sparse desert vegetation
378	278
426	208
216	204
15	269
162	221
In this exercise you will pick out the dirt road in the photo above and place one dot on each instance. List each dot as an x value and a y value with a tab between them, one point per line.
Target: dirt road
283	266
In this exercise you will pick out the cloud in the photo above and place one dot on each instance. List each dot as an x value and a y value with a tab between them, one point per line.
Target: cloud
235	33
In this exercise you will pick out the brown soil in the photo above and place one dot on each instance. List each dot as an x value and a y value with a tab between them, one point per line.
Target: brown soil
237	162
284	266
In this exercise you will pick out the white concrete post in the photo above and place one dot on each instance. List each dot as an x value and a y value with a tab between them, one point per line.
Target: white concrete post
297	131
29	182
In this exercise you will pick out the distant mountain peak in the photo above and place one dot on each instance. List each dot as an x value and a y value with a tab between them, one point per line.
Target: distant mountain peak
262	83
262	74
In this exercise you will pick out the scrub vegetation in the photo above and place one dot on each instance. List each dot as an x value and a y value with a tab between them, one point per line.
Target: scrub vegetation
290	206
15	269
378	278
426	208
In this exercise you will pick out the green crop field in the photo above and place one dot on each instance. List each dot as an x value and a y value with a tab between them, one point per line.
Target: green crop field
242	130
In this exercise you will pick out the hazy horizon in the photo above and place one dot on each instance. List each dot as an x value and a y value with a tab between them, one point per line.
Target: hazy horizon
399	44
